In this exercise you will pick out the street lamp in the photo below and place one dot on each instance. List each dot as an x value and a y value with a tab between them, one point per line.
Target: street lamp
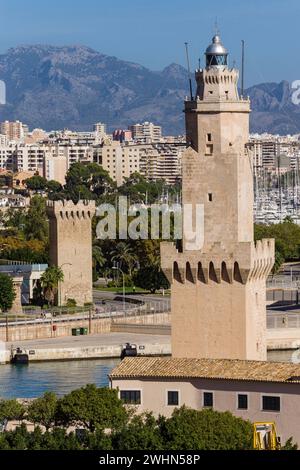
117	268
60	267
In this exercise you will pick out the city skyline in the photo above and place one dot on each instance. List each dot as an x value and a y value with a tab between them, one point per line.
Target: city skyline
158	27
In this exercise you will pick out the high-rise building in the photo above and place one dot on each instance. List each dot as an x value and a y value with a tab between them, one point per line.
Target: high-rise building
13	130
146	132
218	281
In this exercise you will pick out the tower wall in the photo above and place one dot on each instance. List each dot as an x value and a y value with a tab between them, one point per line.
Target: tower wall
71	248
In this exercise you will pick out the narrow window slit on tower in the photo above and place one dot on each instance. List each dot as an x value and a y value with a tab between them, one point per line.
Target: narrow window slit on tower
224	273
208	137
212	272
176	273
189	275
210	197
201	276
236	273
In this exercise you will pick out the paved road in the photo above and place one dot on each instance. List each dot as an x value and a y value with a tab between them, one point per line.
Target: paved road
110	339
158	301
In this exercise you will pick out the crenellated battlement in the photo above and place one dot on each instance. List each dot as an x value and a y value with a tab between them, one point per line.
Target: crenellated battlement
68	210
243	262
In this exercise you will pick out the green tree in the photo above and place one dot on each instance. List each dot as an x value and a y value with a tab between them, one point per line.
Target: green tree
279	260
36	221
205	430
59	439
290	445
151	278
11	410
15	218
93	408
87	181
123	254
36	183
54	186
50	281
287	238
18	439
7	292
140	433
43	410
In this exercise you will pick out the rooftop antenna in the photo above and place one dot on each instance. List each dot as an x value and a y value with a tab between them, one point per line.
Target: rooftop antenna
243	66
217	30
199	63
189	69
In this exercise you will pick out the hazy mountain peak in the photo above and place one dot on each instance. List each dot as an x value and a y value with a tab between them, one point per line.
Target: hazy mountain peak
74	86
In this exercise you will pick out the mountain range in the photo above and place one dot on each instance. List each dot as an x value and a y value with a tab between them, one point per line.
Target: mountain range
75	86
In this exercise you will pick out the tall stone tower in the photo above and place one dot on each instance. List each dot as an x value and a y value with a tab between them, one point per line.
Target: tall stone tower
218	293
71	248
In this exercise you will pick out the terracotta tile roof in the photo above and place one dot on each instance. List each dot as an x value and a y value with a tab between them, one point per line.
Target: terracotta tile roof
157	367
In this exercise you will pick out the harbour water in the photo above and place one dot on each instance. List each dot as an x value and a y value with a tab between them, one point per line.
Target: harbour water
30	381
62	377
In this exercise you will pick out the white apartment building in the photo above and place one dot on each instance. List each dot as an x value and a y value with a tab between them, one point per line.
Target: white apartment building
154	161
13	130
119	160
7	157
3	140
146	132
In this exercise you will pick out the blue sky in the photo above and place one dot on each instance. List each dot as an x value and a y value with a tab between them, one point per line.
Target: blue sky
153	32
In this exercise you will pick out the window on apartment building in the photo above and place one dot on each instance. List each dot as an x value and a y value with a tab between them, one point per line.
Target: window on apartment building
270	403
131	397
242	401
208	399
173	398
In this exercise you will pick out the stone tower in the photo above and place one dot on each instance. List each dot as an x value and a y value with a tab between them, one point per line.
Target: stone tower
218	292
71	248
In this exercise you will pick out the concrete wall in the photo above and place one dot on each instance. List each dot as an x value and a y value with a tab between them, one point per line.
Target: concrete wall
225	399
41	331
98	325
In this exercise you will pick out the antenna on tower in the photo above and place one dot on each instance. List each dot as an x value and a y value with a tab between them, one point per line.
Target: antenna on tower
217	31
243	66
199	63
189	69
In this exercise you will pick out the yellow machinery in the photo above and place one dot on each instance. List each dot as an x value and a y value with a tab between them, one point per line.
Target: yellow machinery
265	437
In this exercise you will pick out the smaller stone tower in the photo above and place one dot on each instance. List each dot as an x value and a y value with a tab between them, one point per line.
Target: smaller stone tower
71	248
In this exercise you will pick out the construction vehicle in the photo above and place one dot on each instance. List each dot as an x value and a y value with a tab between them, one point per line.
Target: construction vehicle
265	436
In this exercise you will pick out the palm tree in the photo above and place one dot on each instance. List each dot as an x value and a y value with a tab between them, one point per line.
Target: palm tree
49	282
124	256
98	257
